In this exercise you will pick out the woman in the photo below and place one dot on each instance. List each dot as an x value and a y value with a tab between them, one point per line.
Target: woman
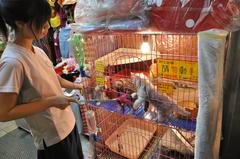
29	87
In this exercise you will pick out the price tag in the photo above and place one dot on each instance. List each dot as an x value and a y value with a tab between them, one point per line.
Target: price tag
100	80
99	66
178	70
164	87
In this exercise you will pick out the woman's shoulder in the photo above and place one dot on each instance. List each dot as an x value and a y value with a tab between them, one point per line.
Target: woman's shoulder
11	54
10	62
40	52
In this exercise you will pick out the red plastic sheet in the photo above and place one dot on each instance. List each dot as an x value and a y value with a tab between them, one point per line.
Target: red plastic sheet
164	15
195	15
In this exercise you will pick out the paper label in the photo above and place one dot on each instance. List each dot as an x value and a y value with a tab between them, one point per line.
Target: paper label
164	87
100	80
178	70
99	67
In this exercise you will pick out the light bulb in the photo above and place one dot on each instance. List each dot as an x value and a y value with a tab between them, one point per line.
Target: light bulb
145	47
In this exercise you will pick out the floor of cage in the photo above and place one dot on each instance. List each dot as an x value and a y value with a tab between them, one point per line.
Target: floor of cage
110	122
165	153
150	151
108	154
186	125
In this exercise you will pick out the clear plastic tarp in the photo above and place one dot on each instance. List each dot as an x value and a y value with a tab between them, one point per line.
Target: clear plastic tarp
111	14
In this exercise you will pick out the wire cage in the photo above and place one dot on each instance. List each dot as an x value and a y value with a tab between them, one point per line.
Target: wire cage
144	94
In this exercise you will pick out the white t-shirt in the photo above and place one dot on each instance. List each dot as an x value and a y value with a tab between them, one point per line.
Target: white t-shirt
32	77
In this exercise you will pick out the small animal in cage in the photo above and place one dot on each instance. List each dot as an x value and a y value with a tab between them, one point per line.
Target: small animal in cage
139	96
146	91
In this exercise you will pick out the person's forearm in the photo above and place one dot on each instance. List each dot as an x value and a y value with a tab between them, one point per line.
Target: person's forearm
23	110
67	84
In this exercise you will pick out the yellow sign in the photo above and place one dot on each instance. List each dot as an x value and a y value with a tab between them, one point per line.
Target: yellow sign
178	70
99	66
164	87
100	80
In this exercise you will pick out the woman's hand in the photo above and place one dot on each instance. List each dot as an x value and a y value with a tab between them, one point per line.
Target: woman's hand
85	84
62	102
10	111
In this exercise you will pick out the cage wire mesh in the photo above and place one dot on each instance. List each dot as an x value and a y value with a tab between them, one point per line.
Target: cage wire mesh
144	94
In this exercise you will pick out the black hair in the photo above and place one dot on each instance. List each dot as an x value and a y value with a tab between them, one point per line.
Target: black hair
33	12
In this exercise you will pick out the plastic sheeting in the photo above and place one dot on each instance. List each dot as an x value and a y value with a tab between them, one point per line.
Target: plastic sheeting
164	15
95	11
195	15
211	65
110	14
128	24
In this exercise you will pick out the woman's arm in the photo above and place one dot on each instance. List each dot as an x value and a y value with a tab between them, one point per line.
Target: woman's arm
10	111
67	84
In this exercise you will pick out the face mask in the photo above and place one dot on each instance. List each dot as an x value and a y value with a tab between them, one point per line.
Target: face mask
55	21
